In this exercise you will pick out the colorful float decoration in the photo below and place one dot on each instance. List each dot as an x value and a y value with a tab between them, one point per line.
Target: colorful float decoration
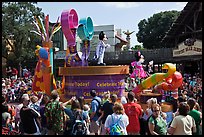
43	79
78	77
173	80
85	30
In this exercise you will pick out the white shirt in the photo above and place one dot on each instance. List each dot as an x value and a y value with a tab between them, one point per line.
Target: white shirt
183	125
100	49
123	123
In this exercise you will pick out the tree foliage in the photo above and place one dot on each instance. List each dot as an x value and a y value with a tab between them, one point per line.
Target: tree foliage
152	30
137	47
17	23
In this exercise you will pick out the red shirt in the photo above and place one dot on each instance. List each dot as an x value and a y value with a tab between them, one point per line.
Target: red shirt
133	111
15	71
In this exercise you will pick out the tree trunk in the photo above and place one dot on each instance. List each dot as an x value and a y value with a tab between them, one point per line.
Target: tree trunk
20	70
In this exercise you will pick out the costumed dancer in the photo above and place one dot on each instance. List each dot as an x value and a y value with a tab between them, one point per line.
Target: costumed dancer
150	65
100	49
138	71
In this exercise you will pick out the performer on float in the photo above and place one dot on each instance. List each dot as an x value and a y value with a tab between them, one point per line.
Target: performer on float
150	65
138	71
100	49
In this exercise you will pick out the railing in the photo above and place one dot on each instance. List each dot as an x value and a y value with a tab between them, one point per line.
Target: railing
126	57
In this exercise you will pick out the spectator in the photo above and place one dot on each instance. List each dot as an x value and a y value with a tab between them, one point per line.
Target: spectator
28	118
13	97
85	108
54	113
25	72
14	73
73	114
106	97
4	89
18	124
86	113
35	102
123	100
192	82
197	107
146	114
9	72
195	114
70	122
81	102
179	100
156	124
107	109
6	116
11	108
134	112
119	114
95	103
43	104
183	124
132	84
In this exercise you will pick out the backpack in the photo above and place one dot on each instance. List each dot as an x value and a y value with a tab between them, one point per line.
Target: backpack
115	128
98	113
79	127
155	123
36	107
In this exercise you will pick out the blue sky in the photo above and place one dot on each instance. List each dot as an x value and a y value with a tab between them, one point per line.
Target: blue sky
124	15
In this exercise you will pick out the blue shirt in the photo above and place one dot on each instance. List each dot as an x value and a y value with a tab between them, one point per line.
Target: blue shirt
94	106
192	83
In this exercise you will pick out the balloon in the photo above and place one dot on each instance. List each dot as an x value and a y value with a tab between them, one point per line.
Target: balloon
43	53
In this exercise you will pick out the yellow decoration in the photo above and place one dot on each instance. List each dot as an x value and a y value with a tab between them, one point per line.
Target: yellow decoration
39	74
38	84
42	86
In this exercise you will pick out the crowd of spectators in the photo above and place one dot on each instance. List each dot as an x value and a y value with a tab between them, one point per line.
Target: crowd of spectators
47	115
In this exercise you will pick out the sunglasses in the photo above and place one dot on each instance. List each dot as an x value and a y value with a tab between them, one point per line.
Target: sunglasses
156	110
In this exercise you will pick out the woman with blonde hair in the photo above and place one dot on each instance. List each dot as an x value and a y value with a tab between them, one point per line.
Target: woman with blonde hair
146	114
106	97
156	124
118	117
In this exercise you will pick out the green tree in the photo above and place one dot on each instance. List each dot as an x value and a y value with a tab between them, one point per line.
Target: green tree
137	47
152	30
17	24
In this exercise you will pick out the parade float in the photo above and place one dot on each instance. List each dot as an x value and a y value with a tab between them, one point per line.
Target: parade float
157	84
44	80
79	78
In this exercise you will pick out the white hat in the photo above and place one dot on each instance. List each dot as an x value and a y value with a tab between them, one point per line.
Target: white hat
25	96
123	100
86	107
3	84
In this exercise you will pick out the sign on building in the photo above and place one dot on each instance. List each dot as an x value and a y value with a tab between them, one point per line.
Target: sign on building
184	50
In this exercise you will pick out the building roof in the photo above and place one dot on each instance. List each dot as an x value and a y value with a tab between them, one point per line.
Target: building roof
121	39
185	17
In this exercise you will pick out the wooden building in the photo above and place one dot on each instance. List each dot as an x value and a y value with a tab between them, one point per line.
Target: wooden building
185	36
